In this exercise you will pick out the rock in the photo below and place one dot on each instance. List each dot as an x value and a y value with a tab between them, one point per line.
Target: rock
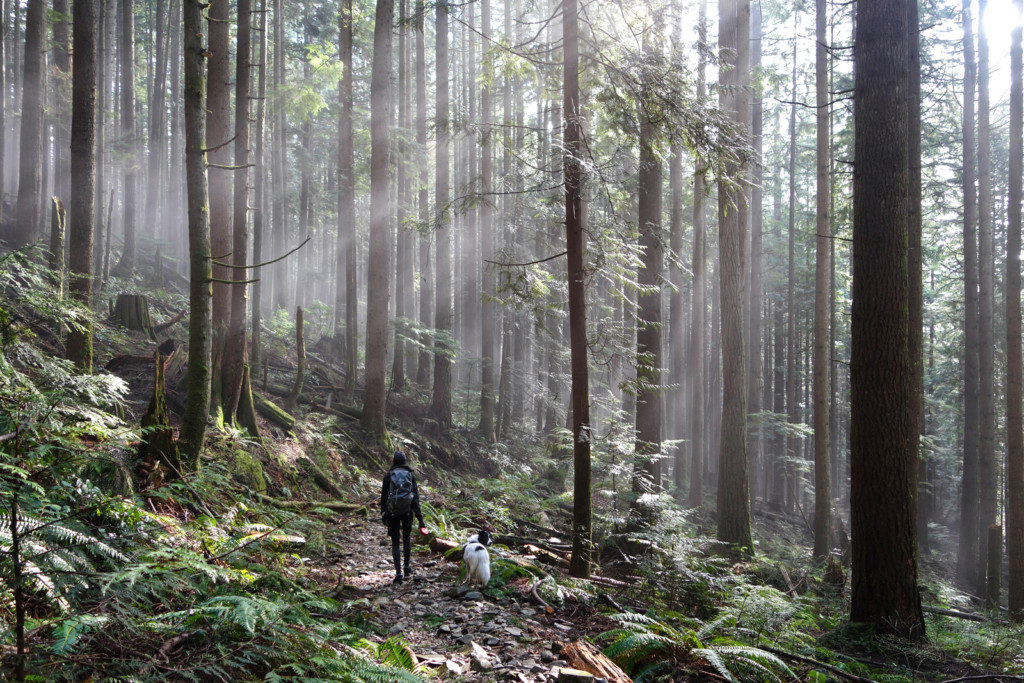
563	627
513	631
547	656
492	642
453	667
465	640
473	595
480	659
567	675
460	591
528	612
444	628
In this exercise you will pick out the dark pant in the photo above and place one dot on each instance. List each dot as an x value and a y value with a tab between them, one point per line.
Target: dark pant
403	525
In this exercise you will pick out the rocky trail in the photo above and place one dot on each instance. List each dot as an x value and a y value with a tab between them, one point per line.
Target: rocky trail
497	634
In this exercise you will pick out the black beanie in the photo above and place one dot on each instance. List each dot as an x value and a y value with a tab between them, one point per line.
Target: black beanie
399	459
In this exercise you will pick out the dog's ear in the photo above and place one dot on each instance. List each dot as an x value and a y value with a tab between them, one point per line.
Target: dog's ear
485	537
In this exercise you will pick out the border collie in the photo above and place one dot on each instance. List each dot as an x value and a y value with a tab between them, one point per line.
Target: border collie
477	559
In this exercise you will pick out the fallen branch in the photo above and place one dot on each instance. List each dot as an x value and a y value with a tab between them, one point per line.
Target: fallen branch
957	614
163	326
815	663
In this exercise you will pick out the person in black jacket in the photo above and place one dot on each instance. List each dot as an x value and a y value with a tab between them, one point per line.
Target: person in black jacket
399	502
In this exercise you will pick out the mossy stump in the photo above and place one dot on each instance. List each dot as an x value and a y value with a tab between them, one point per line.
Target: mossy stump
157	453
131	311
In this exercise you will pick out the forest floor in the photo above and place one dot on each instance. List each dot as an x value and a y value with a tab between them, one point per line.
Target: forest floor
461	632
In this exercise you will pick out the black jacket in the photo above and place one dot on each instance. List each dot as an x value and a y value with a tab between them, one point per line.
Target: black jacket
385	491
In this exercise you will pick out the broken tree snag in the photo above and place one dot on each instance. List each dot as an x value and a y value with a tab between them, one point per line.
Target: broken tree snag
131	311
245	414
276	415
56	260
582	655
300	352
157	452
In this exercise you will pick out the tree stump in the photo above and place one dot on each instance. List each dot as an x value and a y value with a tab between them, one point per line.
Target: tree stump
157	452
131	311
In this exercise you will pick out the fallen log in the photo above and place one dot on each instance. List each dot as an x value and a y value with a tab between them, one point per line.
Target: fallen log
583	656
165	326
272	412
335	505
321	479
816	664
957	614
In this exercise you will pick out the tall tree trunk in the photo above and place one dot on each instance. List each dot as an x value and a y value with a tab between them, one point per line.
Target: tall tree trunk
279	165
4	50
200	321
423	201
649	412
441	398
883	463
157	133
126	265
26	226
235	338
792	402
62	64
403	260
966	565
218	131
83	174
822	271
987	485
487	391
697	300
1014	363
378	293
579	565
347	204
733	490
755	294
260	199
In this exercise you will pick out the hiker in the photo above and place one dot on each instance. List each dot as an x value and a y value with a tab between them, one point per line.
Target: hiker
399	501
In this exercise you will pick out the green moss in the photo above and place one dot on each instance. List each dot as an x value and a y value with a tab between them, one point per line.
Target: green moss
248	470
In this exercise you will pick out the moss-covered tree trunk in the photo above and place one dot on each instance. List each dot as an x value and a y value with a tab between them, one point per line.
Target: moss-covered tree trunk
197	382
26	226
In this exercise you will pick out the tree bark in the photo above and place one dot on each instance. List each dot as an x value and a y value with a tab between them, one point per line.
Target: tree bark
423	370
26	226
733	490
83	174
697	301
1014	362
378	293
197	381
822	271
126	265
755	294
883	462
441	397
60	33
403	260
579	564
260	199
346	205
487	391
232	368
966	565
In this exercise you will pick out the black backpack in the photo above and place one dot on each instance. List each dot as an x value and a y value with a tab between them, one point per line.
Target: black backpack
400	492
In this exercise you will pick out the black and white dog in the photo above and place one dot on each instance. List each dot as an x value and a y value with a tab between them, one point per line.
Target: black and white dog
477	559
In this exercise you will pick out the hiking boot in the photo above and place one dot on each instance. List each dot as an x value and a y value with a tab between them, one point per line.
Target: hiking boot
398	580
407	571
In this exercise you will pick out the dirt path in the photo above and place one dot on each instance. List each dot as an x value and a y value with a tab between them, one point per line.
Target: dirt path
493	635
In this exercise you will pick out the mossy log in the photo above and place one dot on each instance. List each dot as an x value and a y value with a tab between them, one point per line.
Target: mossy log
321	479
131	311
277	416
157	453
